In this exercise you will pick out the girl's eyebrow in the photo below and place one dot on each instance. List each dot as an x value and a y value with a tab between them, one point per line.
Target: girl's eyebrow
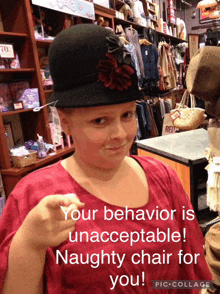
103	113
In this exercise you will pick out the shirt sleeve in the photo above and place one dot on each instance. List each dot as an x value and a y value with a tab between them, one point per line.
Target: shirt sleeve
9	224
10	221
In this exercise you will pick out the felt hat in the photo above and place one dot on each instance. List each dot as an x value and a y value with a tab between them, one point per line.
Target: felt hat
212	252
203	74
90	66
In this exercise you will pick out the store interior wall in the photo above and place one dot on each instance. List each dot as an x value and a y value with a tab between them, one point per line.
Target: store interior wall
190	14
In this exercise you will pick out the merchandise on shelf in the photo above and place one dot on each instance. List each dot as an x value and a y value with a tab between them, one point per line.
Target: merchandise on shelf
29	97
21	91
6	101
138	12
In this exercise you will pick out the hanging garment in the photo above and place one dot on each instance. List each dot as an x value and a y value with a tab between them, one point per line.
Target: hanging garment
132	50
151	35
141	120
150	60
157	116
162	108
132	37
154	130
168	105
147	116
166	62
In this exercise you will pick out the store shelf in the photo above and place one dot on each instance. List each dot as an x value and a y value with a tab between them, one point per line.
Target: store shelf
14	171
152	19
16	70
8	36
16	111
171	38
7	75
103	9
128	23
152	11
43	43
150	2
160	35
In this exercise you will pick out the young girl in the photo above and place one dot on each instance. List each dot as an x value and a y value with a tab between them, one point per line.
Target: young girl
99	221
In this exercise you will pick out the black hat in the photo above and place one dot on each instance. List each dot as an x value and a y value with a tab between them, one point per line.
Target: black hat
90	66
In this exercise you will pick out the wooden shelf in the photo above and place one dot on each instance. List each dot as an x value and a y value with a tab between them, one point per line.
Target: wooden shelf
43	43
103	9
128	23
15	111
172	39
134	25
16	70
9	75
150	2
152	19
48	91
152	11
8	36
14	171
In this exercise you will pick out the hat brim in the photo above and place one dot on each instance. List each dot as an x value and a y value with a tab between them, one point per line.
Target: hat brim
94	94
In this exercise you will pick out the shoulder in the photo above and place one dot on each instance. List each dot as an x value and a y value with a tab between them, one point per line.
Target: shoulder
161	174
41	176
153	166
38	184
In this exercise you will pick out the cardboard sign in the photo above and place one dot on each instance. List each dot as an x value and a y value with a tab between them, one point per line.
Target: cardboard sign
74	7
6	51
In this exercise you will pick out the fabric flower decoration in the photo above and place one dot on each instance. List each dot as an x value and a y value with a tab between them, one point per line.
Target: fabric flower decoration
113	75
117	49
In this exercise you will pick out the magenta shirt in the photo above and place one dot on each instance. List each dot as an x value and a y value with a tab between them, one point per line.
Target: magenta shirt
112	265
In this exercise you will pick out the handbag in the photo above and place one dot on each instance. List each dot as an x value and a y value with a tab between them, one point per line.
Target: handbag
187	118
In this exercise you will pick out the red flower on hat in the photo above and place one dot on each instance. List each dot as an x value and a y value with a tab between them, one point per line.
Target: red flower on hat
113	75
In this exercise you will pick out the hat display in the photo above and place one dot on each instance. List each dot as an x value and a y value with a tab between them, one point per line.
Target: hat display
206	4
212	251
90	66
203	73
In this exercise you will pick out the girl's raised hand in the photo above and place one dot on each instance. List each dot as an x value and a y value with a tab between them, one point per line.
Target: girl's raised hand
45	225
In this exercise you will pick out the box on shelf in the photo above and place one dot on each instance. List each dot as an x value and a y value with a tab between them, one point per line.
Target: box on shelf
25	160
29	97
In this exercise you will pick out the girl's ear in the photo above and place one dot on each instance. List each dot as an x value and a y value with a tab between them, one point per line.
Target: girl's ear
64	121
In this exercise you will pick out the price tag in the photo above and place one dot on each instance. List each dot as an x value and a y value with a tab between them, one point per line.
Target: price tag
6	51
216	160
175	115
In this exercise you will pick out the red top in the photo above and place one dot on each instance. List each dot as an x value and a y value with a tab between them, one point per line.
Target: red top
94	267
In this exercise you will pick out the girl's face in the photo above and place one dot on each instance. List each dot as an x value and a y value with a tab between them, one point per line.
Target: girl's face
102	135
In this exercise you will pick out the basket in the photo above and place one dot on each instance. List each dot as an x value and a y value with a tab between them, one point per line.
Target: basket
25	160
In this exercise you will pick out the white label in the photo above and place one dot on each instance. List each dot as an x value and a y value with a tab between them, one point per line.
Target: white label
6	51
216	160
146	52
216	168
175	115
57	131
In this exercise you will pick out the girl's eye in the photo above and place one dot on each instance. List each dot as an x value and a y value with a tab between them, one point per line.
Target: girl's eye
99	121
128	114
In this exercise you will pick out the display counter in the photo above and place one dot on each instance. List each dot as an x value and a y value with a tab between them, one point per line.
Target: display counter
185	153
